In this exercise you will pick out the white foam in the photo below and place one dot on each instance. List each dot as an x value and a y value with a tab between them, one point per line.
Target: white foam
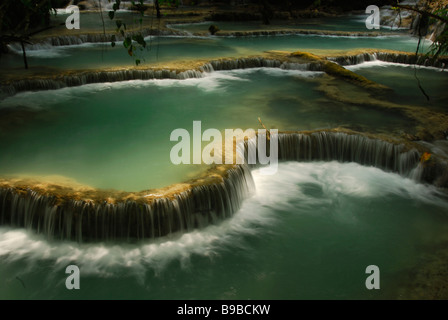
278	72
385	64
256	216
37	100
210	82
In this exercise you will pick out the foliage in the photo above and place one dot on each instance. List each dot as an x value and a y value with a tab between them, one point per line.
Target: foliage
135	41
440	44
21	16
19	19
131	42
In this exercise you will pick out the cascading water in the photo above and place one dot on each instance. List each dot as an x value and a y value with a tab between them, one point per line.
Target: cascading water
108	5
200	206
80	220
342	147
124	75
87	77
389	57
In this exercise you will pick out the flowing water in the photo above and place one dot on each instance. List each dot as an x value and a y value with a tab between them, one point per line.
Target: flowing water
403	77
117	135
309	232
181	48
350	23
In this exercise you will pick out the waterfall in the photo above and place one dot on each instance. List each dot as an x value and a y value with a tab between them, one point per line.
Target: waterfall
87	77
402	158
344	147
82	78
292	32
107	5
243	63
81	220
258	62
403	58
72	40
202	204
353	59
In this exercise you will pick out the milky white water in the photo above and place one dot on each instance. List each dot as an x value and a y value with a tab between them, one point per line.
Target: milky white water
309	232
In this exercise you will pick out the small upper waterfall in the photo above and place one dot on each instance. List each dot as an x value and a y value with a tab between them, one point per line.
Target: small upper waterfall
85	77
343	147
396	57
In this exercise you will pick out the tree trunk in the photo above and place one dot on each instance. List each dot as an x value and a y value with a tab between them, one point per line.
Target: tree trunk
156	2
24	55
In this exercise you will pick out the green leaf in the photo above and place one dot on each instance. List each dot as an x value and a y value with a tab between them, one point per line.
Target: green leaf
118	23
137	62
111	15
140	40
127	42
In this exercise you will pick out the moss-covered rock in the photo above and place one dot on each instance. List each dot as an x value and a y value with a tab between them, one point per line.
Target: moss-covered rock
340	72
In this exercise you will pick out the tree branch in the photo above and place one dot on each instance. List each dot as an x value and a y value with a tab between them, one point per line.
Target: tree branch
432	15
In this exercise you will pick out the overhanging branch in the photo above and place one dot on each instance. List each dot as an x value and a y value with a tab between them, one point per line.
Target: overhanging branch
422	12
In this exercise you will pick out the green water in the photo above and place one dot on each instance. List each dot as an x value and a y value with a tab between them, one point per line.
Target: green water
404	79
350	23
309	232
92	21
165	49
118	135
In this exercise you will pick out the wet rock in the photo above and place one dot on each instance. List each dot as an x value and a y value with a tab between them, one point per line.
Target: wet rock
424	134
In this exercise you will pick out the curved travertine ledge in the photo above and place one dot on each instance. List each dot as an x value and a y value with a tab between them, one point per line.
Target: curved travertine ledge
390	56
98	37
81	213
296	31
330	63
196	69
